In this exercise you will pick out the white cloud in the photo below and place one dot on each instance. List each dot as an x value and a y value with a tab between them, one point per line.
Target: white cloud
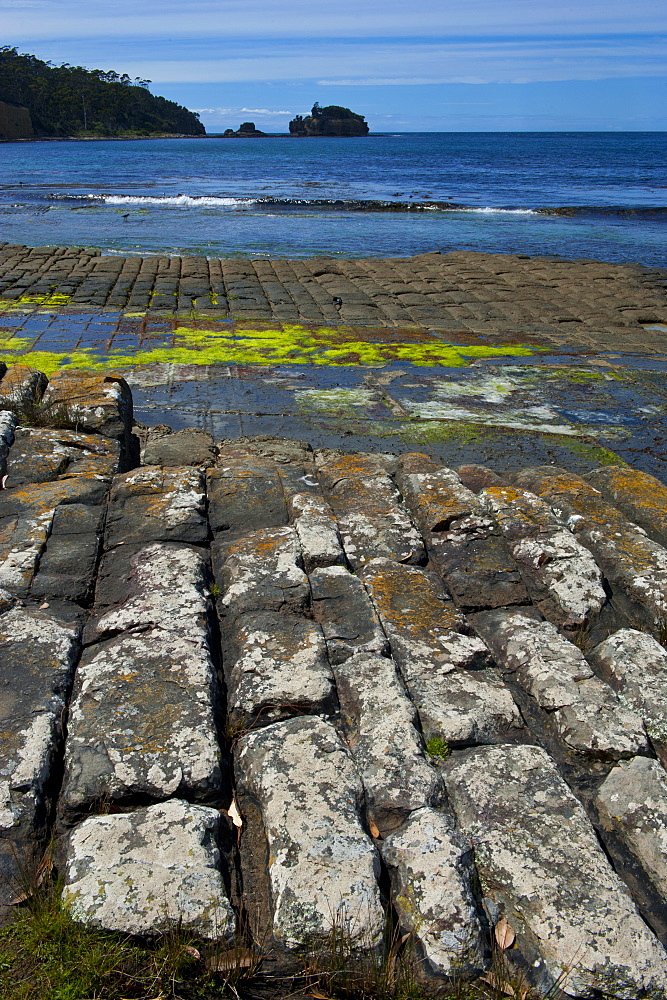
240	111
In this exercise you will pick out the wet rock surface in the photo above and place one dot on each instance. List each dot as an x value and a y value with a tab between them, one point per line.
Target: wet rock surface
290	690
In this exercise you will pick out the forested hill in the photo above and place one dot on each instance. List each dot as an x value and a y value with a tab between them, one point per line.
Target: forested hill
73	101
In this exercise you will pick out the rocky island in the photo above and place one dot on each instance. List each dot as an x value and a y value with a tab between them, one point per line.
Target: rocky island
331	121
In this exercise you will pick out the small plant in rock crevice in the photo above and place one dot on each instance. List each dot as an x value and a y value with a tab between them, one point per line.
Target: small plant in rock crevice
438	749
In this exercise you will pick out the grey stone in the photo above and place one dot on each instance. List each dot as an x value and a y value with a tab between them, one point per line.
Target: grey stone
37	657
245	495
344	610
279	667
632	802
7	428
642	498
588	715
317	529
149	871
142	715
541	867
90	401
262	572
558	570
380	723
431	868
372	520
190	446
26	519
324	867
631	561
21	388
67	566
154	504
635	665
41	455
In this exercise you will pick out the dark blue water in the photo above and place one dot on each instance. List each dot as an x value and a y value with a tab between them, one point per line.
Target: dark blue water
601	195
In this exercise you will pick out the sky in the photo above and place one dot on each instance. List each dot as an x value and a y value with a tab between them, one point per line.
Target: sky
422	65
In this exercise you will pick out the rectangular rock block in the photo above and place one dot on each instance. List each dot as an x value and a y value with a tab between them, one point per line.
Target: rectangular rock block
642	498
261	572
300	784
245	496
41	455
149	872
275	666
100	404
542	869
559	572
142	720
381	727
346	614
317	529
154	504
67	566
588	715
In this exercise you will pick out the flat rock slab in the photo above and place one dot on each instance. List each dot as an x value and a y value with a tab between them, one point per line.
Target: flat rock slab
432	871
632	802
245	495
37	657
381	731
372	520
317	529
642	498
41	455
541	867
558	570
262	572
190	446
344	610
149	871
142	719
630	560
588	715
324	867
26	520
278	667
155	504
67	566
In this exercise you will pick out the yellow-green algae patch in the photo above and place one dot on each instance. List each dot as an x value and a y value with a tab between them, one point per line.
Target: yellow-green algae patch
288	344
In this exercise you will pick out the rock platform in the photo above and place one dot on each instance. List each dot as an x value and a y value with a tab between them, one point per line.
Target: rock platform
266	691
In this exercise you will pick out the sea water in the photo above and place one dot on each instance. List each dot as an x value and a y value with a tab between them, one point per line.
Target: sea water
595	195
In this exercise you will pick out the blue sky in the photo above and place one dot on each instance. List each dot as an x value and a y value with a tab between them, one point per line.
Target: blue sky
450	65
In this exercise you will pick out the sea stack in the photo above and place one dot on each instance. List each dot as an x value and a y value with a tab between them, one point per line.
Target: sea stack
332	121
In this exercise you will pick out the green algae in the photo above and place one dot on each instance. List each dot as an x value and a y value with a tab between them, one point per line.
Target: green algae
334	400
289	344
596	454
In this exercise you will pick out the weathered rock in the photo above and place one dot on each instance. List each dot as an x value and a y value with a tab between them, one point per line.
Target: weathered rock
262	572
90	402
279	667
67	566
588	715
41	455
464	544
344	610
372	520
431	869
191	446
153	504
478	477
632	803
642	498
142	716
559	572
26	518
635	665
7	428
245	495
149	871
541	868
380	723
317	529
631	562
21	388
324	868
37	657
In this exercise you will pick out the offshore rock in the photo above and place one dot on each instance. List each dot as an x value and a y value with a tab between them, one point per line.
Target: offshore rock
324	868
431	869
380	724
149	871
541	867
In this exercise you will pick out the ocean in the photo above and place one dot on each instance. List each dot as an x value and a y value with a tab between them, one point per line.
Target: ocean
578	195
